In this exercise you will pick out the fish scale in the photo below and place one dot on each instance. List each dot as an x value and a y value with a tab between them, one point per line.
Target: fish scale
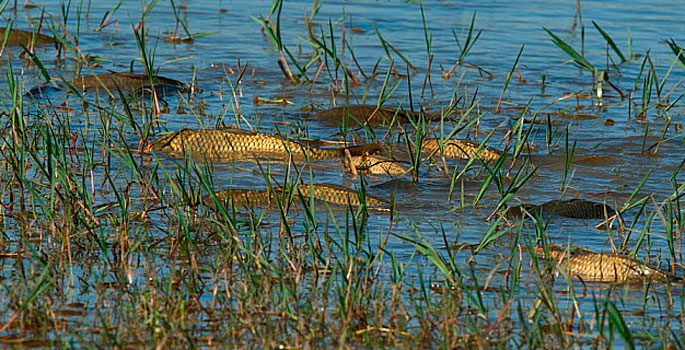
574	208
125	81
339	195
461	149
600	267
237	144
577	209
377	165
245	197
360	114
333	194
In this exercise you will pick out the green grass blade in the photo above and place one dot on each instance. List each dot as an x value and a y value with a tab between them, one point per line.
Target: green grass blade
610	41
678	51
571	52
617	321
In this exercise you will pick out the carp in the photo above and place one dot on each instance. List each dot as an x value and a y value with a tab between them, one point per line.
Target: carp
461	149
27	39
237	144
376	165
332	194
600	267
114	81
359	115
573	208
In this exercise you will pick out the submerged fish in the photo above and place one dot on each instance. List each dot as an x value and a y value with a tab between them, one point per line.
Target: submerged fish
21	37
112	82
244	197
600	267
339	195
358	115
376	165
461	149
238	144
574	208
332	194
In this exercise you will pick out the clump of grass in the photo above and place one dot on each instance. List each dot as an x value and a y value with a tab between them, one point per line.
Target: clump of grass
273	31
465	45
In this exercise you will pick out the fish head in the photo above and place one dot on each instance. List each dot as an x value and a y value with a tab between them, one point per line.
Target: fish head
165	143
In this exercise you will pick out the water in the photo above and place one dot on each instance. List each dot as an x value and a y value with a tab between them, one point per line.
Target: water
610	161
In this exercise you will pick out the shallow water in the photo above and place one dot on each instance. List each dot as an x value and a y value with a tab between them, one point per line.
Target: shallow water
609	163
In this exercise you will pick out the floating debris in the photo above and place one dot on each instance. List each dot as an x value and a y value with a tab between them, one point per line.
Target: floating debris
173	39
376	165
574	208
600	267
260	101
237	144
461	149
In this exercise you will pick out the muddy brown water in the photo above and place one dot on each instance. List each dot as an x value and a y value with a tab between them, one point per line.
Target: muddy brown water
610	159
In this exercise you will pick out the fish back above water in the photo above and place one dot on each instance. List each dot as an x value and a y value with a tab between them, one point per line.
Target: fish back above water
600	267
357	115
248	198
339	195
377	165
461	149
332	194
577	209
128	82
238	144
573	208
25	38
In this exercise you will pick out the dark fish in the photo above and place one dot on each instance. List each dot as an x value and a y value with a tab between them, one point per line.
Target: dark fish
460	149
235	144
578	209
111	82
574	208
519	211
600	267
27	39
358	115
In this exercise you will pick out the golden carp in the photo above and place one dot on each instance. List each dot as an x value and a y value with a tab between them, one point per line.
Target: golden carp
376	165
600	267
339	195
238	144
332	194
461	149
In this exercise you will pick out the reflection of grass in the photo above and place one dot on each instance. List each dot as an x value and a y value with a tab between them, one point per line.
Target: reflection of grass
103	244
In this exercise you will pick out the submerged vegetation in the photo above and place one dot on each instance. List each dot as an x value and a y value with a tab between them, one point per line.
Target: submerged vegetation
364	199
